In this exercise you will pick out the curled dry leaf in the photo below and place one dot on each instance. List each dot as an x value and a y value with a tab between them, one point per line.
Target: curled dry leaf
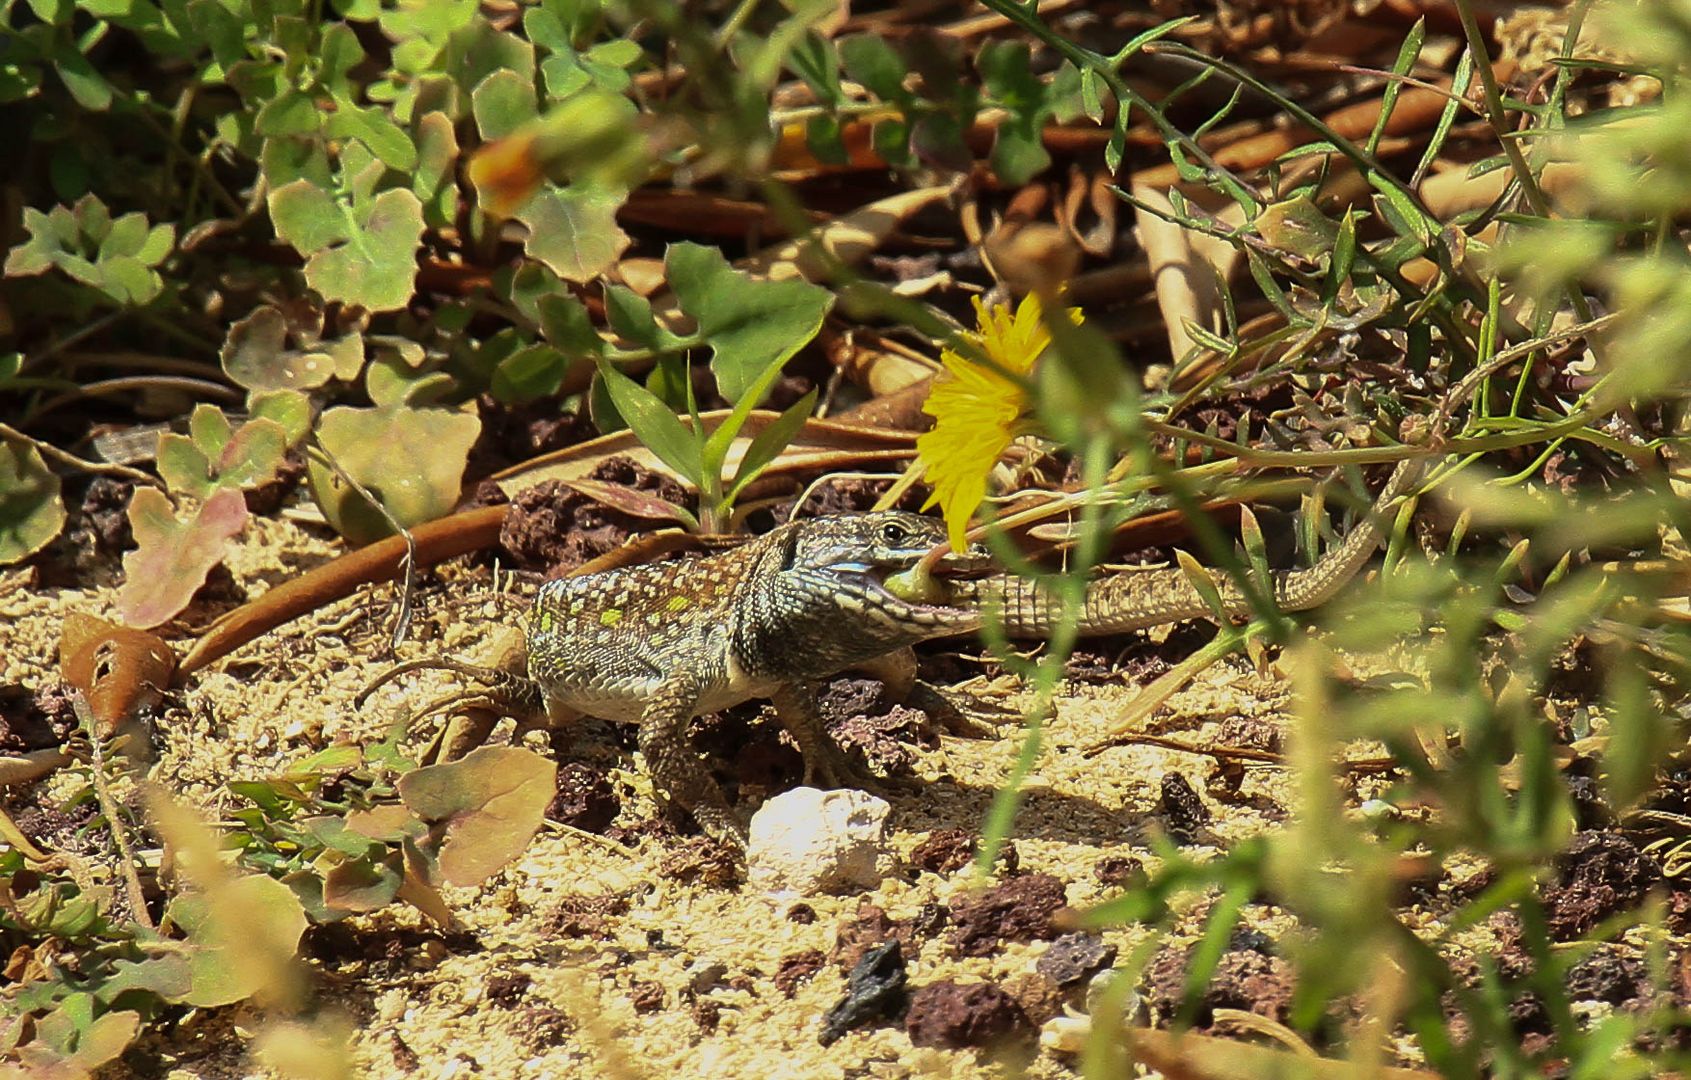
119	671
172	558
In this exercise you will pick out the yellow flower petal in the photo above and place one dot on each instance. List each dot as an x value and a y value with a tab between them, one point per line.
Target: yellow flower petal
976	408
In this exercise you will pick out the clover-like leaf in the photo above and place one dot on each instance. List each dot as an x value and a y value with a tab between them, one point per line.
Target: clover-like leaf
377	266
362	254
486	807
31	512
437	153
256	355
289	408
117	258
377	131
502	103
574	230
410	459
217	456
248	910
752	325
173	557
184	466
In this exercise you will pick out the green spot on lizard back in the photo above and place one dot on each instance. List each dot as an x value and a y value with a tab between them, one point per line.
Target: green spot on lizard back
610	616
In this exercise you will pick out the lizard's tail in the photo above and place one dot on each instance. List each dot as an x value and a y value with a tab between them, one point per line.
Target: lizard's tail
1137	600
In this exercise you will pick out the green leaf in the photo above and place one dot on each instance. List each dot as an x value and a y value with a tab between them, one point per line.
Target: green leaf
31	512
769	442
377	265
502	103
183	466
529	373
826	139
307	217
1401	213
437	153
293	112
653	423
869	60
288	408
1407	55
566	324
412	460
85	83
210	429
753	326
1202	580
574	230
252	455
338	53
84	244
630	316
377	131
815	60
1018	153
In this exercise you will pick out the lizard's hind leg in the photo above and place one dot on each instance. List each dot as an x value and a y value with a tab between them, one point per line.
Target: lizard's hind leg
500	693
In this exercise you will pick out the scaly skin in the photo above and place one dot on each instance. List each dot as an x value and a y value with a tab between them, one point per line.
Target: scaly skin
1137	600
662	643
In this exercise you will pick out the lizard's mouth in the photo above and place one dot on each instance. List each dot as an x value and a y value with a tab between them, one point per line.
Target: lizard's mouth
917	584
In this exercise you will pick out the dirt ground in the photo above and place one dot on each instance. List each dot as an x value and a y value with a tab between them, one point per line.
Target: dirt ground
586	957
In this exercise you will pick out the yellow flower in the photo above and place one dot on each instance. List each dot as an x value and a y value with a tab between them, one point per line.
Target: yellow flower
976	410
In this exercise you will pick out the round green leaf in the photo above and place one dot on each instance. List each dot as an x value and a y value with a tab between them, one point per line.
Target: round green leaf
31	512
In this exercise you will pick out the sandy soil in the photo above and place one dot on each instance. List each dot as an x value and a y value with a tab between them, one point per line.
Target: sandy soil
512	995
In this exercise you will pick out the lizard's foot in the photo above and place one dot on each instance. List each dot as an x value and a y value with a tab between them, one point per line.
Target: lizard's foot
956	714
825	763
720	824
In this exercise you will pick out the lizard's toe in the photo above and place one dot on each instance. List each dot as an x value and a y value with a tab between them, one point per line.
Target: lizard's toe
957	715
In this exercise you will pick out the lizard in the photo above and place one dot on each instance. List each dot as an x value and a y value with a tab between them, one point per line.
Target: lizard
659	644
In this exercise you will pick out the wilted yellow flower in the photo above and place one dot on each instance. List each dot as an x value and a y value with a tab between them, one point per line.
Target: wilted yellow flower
977	410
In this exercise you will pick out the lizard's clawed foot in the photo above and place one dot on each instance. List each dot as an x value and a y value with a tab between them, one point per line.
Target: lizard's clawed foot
720	824
957	715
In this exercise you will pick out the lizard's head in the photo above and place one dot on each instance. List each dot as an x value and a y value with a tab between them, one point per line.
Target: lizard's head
869	558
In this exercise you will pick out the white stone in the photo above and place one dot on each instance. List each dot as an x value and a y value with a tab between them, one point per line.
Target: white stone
805	841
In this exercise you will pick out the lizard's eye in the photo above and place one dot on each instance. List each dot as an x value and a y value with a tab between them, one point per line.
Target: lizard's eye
894	533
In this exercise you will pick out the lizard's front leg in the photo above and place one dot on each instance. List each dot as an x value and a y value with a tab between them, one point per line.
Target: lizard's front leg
824	761
897	672
677	772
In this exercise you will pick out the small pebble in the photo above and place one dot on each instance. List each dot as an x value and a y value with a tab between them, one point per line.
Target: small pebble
705	975
807	842
954	1015
874	990
1074	957
1020	909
